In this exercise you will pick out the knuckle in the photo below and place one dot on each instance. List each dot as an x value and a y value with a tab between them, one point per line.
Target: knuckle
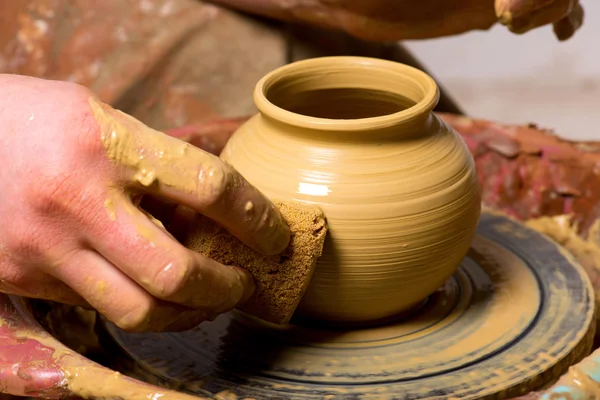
12	278
78	121
215	182
88	133
54	196
61	195
171	278
25	242
138	319
81	129
42	227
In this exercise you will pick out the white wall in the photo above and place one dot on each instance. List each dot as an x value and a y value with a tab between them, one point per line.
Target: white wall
528	78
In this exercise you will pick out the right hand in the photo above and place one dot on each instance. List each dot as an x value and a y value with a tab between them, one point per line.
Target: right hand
70	229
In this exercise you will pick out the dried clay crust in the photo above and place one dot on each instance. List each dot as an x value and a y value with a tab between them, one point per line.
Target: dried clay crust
281	280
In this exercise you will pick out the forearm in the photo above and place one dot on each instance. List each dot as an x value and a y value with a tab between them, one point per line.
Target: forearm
382	20
394	20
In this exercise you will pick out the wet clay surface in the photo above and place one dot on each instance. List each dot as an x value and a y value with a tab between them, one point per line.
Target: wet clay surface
526	171
563	230
513	318
399	190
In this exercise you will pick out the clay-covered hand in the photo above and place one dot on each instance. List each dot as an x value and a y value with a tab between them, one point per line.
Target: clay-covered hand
73	170
393	20
521	16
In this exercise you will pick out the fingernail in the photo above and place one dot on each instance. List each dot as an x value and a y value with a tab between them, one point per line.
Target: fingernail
248	285
240	291
277	235
282	239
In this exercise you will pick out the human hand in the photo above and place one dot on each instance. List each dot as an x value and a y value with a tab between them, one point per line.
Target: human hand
394	20
73	172
521	16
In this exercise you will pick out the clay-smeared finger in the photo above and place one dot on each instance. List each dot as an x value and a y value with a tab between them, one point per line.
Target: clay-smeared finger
160	164
521	22
227	198
119	299
140	247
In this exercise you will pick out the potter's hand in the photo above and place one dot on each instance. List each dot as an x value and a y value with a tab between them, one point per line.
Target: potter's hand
393	20
521	16
69	228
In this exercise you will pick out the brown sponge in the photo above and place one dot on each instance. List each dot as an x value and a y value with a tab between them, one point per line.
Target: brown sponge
280	280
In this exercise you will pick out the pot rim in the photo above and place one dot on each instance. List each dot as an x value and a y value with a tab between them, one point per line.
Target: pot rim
412	77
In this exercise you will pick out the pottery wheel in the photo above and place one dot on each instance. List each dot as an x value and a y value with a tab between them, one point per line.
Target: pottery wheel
517	313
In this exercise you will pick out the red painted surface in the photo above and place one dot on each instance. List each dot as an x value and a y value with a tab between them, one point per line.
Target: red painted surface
27	367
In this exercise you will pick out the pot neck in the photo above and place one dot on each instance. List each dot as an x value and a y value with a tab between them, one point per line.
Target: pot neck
348	98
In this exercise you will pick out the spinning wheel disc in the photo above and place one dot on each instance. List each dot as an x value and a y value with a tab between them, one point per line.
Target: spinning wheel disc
517	313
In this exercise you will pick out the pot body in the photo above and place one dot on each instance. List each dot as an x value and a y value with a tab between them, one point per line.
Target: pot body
357	137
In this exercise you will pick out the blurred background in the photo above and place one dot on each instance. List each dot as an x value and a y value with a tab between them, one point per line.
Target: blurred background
534	78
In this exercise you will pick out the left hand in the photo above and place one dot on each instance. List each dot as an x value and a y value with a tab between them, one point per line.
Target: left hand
521	16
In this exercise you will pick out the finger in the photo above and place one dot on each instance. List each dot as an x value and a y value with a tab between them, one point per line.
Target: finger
119	299
43	287
160	164
541	17
507	10
566	27
29	281
142	249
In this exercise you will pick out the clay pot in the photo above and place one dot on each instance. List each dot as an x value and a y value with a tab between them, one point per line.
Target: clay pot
357	137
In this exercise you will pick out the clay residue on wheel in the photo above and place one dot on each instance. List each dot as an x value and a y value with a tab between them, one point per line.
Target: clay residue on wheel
448	341
563	229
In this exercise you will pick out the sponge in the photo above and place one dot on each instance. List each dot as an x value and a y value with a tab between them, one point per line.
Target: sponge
281	280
